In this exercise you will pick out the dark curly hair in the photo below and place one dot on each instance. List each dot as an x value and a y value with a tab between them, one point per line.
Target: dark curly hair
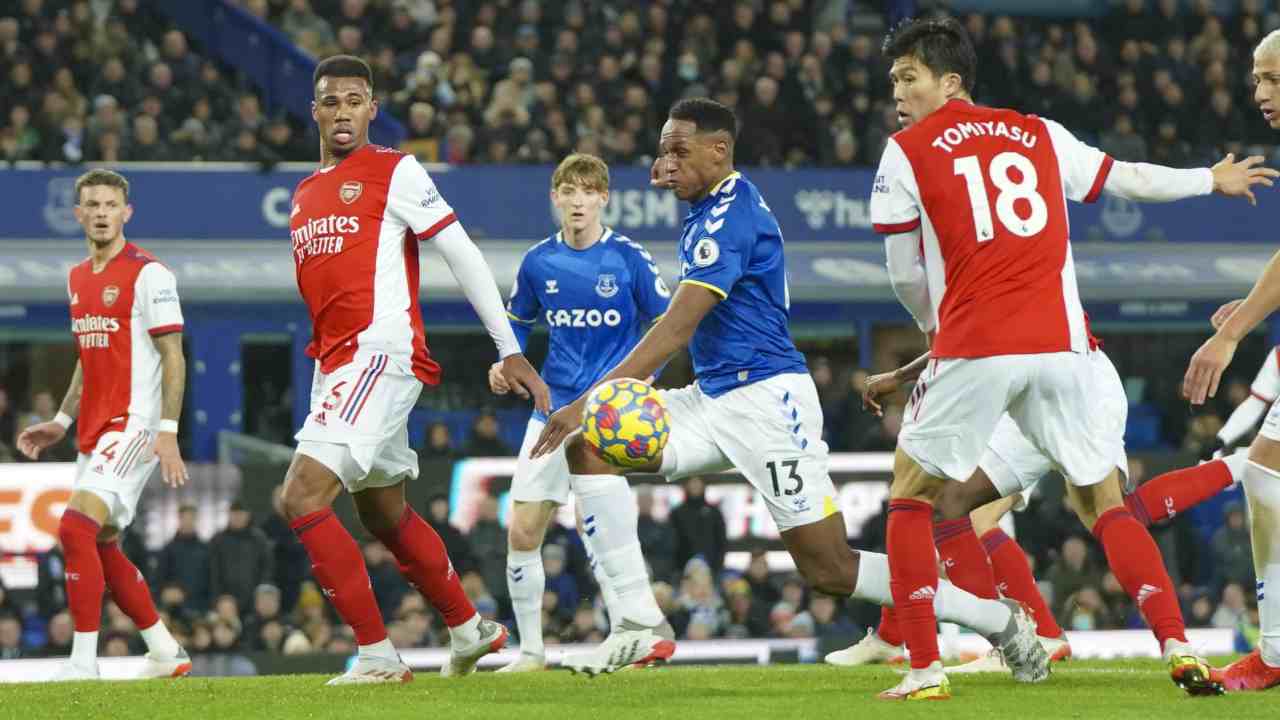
941	44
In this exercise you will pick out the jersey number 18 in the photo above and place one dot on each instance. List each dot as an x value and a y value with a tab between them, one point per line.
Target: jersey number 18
1010	192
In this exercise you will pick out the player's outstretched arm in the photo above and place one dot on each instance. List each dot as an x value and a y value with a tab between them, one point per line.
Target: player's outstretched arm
173	382
469	268
689	306
1145	182
1208	363
33	440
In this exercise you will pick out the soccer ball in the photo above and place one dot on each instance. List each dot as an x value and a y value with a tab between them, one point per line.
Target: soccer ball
625	423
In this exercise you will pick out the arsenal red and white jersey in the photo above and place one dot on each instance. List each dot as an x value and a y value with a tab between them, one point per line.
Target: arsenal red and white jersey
988	189
114	314
355	228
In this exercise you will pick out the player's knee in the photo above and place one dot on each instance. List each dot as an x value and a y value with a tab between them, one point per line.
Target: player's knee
837	575
523	538
301	495
584	462
950	506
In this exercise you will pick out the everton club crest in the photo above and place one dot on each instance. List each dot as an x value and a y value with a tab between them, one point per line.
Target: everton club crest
607	285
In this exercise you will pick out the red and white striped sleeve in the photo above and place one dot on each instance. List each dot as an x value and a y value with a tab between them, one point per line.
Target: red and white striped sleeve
413	198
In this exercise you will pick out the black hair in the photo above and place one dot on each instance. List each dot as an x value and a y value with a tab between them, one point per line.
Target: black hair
342	66
706	114
941	44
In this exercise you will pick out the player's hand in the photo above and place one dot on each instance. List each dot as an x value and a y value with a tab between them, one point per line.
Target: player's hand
1223	313
1205	371
497	383
562	423
172	469
525	381
876	388
660	175
33	440
1236	179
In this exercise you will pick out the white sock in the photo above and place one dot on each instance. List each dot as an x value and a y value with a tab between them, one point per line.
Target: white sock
525	582
468	633
950	604
1262	488
159	641
84	649
607	594
609	518
382	649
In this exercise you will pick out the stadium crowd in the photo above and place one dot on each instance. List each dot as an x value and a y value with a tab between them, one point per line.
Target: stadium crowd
527	81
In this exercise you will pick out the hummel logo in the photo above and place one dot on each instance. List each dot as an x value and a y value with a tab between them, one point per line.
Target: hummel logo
551	287
924	593
1144	593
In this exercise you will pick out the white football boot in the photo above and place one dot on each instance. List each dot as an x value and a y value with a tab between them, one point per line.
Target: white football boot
171	667
369	670
525	663
629	645
72	672
462	660
870	650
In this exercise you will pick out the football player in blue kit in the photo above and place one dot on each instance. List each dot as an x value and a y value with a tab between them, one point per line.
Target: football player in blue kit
597	292
754	406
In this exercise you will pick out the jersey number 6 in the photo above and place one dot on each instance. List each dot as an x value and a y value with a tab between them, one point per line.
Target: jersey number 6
1010	191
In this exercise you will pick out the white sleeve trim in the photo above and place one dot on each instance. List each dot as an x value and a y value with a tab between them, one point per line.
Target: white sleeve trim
1242	419
1144	182
469	268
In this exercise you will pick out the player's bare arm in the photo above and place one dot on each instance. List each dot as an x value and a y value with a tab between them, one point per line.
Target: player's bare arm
690	304
880	385
34	440
1208	363
173	378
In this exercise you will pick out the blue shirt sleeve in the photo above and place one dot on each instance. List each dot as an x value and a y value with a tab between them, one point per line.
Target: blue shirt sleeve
647	286
523	305
725	241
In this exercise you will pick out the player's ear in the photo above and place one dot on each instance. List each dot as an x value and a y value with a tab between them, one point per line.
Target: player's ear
314	115
604	197
373	109
128	213
78	211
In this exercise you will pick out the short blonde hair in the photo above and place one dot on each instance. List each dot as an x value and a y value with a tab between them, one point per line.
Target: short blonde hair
1269	45
101	176
582	169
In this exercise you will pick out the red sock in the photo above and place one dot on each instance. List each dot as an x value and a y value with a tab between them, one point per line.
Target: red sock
425	564
1137	564
1015	581
128	587
1164	496
913	577
338	565
78	534
889	630
962	555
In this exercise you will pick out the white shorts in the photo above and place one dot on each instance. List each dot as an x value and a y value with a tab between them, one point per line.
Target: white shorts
771	431
358	426
544	478
1070	407
1271	424
117	470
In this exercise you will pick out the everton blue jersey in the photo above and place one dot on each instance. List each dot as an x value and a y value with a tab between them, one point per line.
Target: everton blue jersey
732	246
598	303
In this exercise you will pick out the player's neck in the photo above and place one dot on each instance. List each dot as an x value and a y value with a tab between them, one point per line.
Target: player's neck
102	254
588	236
711	188
328	158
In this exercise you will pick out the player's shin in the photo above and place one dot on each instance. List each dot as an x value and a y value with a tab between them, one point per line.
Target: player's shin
1262	487
1166	495
526	580
914	577
425	563
129	591
78	535
610	516
962	555
1015	580
1136	562
338	565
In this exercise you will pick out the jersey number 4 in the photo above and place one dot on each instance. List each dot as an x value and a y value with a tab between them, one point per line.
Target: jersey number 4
1011	191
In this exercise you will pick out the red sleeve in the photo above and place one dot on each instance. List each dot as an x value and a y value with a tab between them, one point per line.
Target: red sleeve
441	224
1103	171
897	228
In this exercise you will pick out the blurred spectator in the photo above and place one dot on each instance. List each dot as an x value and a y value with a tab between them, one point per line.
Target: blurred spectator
384	576
700	602
11	637
60	632
240	558
438	443
1073	571
289	556
278	140
484	440
147	145
763	591
8	423
560	582
1232	549
455	543
185	561
699	528
1233	611
656	536
1123	142
489	543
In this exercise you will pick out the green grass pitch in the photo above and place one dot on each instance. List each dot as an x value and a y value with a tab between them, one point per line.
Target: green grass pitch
1116	690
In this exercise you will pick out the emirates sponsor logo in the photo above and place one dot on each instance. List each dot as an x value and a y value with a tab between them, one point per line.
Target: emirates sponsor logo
350	191
924	593
94	323
109	295
322	235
